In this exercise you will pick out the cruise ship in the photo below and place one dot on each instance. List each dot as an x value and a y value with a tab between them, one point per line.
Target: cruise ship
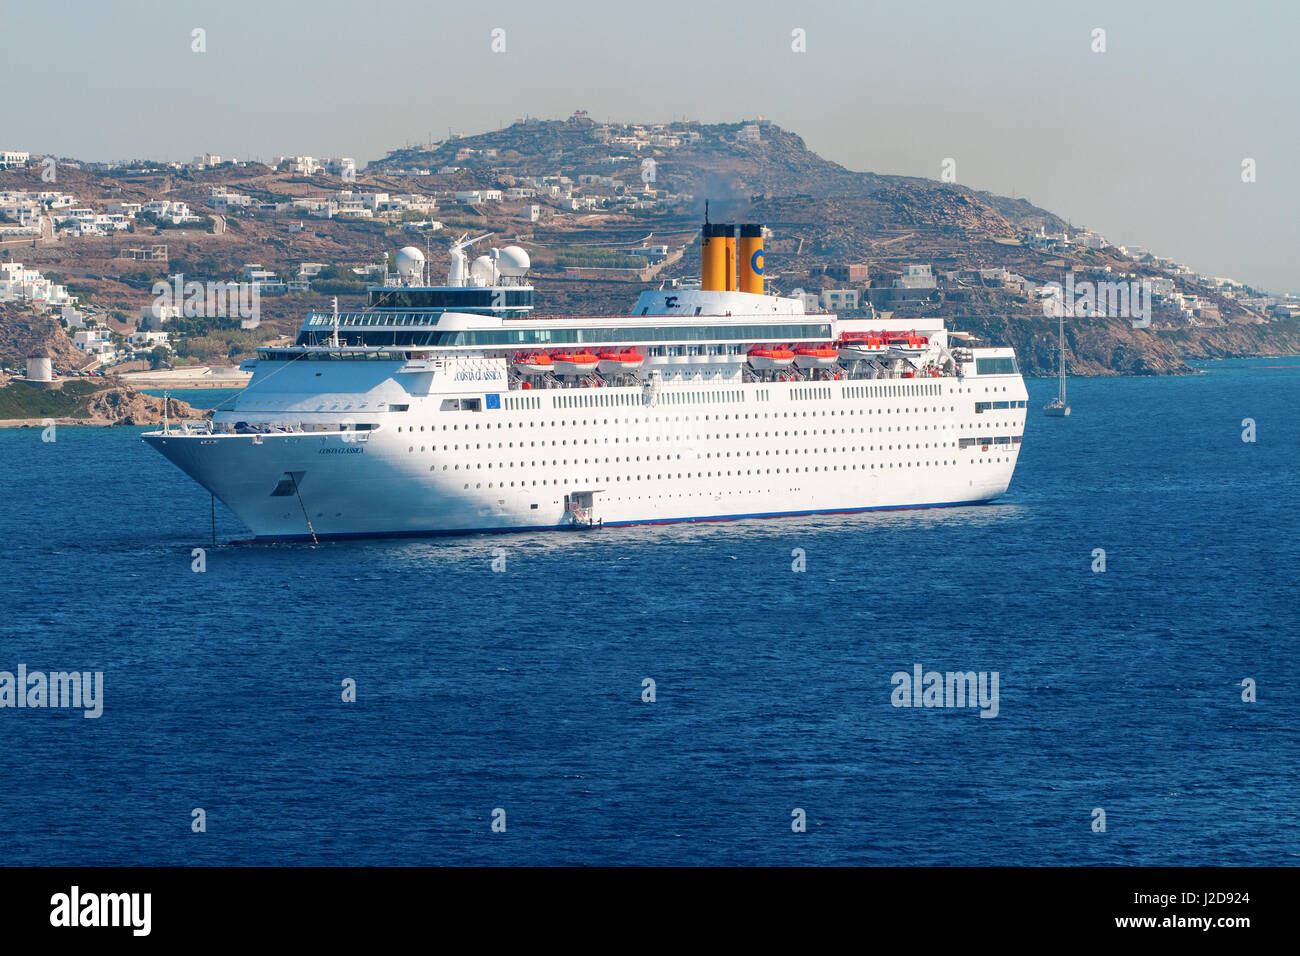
458	408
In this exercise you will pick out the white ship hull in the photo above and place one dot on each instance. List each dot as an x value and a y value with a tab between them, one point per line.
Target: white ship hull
749	450
412	416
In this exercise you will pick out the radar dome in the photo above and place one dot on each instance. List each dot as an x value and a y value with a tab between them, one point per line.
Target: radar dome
410	262
513	261
482	271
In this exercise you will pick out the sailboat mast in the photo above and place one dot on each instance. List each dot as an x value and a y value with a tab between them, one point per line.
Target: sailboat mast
1062	344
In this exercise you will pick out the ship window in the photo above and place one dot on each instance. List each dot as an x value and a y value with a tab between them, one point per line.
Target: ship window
1005	365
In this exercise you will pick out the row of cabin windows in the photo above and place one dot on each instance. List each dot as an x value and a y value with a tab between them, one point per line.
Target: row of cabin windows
996	440
963	443
738	436
648	421
737	473
711	437
611	399
730	395
725	436
892	391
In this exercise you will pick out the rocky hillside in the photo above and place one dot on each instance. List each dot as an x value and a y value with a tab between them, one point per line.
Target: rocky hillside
24	332
1093	346
821	216
1096	346
126	406
732	174
1235	341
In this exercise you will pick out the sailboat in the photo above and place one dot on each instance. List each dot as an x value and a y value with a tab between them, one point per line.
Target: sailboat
1057	408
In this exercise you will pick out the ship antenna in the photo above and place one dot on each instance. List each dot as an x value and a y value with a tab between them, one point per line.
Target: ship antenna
335	342
706	212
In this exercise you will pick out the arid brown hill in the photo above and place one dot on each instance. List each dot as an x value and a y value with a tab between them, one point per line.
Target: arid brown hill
24	332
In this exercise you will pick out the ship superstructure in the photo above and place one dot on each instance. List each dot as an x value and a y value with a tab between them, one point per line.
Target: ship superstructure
458	408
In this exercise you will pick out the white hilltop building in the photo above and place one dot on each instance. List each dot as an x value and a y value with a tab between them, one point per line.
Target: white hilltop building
341	166
96	342
916	277
145	339
302	165
208	161
19	283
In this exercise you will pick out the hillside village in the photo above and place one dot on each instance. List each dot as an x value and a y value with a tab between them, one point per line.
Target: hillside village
603	209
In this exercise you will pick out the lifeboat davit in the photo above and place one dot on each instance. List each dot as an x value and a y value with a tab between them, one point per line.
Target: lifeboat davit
625	361
822	356
761	358
574	363
534	364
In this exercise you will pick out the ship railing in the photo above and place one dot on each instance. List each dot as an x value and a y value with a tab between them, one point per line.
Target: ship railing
856	371
261	430
187	427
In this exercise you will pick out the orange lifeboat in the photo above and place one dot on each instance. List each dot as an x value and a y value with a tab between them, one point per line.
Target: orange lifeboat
534	363
857	346
574	363
820	356
627	360
769	358
907	341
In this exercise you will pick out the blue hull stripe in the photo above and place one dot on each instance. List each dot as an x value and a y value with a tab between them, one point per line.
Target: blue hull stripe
608	524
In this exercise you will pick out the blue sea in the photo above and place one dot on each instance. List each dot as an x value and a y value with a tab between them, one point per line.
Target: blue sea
518	695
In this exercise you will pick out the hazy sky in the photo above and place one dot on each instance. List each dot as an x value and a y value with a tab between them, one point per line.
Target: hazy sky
1143	142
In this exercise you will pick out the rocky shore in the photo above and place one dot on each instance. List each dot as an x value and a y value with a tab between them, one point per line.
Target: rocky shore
1096	347
126	406
23	405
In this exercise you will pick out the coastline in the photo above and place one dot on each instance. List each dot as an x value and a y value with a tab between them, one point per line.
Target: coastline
204	377
87	403
63	423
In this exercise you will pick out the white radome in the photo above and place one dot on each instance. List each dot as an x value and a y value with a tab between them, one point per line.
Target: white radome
410	262
482	271
513	261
